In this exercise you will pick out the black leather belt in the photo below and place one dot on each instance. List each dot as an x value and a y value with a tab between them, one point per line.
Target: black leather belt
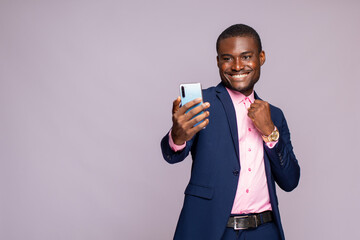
250	220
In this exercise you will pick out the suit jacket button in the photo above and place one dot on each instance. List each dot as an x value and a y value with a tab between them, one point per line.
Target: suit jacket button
236	173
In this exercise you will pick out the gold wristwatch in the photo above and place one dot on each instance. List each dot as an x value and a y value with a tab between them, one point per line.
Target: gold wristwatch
273	137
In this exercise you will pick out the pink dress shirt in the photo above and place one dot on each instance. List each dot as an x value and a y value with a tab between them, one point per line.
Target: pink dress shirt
252	195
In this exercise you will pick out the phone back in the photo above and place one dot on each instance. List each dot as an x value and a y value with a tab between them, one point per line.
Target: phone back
189	92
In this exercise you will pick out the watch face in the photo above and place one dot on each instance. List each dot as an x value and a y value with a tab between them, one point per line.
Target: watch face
275	135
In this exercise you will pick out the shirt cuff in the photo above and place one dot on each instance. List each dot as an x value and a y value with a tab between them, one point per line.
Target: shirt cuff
271	144
175	147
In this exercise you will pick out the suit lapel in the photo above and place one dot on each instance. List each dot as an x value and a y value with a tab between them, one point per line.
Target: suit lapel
256	96
266	160
225	99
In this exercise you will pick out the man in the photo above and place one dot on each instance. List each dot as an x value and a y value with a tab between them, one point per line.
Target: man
244	149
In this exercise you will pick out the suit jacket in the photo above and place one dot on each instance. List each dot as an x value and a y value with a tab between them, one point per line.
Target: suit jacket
210	194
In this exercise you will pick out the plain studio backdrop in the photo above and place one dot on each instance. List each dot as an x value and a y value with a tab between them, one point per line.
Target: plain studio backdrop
86	90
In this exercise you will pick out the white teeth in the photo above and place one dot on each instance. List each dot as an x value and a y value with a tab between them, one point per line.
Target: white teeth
239	75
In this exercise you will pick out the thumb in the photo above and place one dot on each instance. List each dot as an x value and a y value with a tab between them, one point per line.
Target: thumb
176	105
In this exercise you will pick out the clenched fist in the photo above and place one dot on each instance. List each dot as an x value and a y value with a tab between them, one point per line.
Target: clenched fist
259	113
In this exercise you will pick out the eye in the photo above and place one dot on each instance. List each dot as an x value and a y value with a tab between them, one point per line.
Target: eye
246	57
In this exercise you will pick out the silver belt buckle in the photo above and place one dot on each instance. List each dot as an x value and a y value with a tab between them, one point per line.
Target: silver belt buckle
235	222
254	217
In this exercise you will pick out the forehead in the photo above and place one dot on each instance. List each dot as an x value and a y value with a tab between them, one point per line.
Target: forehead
237	45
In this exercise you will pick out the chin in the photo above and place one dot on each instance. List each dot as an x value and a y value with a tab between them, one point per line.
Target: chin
240	88
246	90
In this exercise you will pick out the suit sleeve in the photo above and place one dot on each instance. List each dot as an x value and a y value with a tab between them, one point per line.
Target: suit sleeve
170	155
284	165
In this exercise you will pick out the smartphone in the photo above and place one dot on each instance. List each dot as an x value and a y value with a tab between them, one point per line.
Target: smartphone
189	92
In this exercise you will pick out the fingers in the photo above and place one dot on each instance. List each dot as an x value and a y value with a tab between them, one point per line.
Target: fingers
185	131
258	105
184	118
192	131
259	113
189	105
176	105
251	115
254	107
197	119
196	110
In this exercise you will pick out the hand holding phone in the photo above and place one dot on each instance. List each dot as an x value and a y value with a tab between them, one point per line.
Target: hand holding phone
190	118
189	92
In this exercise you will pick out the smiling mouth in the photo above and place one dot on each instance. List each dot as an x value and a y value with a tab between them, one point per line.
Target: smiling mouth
238	77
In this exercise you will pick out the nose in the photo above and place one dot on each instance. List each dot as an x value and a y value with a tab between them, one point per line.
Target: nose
237	66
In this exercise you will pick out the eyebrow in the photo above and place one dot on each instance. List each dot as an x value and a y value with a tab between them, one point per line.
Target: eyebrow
228	55
243	53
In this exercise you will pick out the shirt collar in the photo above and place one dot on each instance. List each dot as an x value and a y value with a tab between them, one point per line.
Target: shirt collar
238	97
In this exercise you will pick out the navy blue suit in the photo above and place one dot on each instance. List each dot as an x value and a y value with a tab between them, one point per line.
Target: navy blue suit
215	170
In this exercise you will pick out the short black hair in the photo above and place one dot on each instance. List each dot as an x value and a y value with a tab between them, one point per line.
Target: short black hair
239	30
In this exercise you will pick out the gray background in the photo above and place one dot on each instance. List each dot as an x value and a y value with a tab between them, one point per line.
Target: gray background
86	89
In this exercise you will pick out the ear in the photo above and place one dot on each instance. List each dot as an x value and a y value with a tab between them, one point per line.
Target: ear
217	60
262	58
